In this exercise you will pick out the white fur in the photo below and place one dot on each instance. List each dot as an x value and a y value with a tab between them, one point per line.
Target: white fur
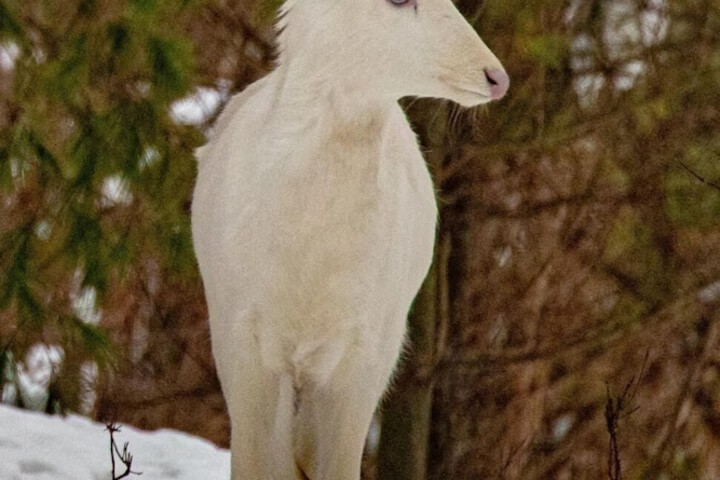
314	221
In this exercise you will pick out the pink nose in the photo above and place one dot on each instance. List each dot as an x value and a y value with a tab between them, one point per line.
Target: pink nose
499	82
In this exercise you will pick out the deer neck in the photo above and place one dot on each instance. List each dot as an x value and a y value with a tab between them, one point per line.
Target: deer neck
331	105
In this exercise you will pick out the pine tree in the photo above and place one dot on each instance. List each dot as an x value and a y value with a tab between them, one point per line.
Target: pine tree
95	175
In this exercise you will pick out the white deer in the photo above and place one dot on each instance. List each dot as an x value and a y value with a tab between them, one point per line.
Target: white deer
314	221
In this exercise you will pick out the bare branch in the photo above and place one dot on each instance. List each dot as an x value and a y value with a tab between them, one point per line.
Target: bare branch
698	177
125	456
616	409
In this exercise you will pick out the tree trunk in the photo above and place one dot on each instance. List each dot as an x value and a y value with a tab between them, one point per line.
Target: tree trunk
406	412
402	453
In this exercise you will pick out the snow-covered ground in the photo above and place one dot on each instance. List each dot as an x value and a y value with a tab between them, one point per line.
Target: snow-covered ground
35	446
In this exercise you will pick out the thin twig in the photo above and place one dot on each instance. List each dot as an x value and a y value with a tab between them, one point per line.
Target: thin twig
125	456
616	409
698	177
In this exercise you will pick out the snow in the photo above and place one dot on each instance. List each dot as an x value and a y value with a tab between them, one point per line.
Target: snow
629	30
32	377
710	293
9	52
35	446
198	107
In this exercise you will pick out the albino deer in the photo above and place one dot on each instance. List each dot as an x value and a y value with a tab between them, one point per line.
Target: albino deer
314	221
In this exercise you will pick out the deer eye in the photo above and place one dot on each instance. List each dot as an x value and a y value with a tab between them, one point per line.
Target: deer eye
403	3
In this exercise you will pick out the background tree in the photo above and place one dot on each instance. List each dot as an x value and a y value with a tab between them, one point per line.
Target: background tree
90	164
581	240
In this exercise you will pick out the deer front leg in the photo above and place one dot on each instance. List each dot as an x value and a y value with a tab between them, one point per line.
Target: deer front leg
260	405
333	419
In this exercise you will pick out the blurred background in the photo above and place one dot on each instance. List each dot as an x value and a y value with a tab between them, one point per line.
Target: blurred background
570	324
